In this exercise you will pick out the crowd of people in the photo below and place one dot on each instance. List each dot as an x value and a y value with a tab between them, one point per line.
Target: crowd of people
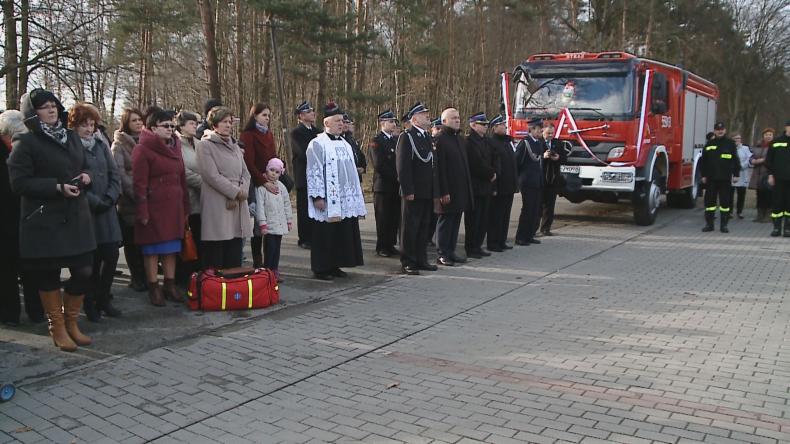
75	198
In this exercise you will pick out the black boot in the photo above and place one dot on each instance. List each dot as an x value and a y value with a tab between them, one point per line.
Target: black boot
709	216
91	309
777	227
786	232
107	308
725	217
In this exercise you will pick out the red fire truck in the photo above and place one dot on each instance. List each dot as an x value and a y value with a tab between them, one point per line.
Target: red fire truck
633	128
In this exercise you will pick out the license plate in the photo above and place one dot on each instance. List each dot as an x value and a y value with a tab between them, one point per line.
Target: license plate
569	169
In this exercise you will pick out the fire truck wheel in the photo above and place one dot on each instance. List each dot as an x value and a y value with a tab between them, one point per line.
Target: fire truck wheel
647	199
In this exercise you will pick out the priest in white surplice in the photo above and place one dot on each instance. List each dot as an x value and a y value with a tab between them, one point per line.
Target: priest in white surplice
335	200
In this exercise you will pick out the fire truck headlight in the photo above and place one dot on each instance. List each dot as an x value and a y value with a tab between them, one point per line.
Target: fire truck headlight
616	152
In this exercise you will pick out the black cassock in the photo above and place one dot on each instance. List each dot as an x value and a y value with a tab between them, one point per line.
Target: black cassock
335	245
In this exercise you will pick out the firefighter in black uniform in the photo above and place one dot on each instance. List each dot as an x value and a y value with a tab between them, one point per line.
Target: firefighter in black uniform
386	201
301	136
529	160
414	158
777	161
359	157
554	156
719	164
505	185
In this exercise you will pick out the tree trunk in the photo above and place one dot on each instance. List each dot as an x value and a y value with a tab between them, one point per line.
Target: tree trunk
24	37
240	59
10	57
209	34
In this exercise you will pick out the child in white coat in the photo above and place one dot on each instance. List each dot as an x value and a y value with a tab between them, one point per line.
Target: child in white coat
274	216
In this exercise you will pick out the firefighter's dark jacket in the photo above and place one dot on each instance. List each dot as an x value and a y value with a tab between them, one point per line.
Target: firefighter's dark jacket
719	159
778	158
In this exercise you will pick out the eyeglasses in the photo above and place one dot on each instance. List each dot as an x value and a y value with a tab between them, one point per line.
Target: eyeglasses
168	126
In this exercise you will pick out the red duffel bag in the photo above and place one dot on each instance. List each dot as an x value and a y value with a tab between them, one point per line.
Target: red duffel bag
233	289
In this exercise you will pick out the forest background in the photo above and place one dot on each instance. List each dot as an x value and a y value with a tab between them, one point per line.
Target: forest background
372	55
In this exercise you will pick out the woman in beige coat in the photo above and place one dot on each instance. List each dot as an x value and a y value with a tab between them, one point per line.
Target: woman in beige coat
187	123
223	195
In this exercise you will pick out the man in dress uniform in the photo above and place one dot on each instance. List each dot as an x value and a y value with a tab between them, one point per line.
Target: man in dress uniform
777	161
504	186
359	156
480	155
386	201
455	187
553	156
529	159
436	127
406	122
301	136
335	200
718	164
415	162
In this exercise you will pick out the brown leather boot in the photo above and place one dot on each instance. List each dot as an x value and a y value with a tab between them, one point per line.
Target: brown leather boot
155	294
71	311
172	292
53	308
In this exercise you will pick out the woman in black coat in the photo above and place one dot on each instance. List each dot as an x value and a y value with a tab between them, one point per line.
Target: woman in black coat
102	196
12	123
46	169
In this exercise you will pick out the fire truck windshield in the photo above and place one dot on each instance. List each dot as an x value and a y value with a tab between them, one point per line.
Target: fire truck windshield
590	96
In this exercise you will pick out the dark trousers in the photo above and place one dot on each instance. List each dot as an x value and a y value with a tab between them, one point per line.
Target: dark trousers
499	220
184	270
10	307
740	193
105	261
415	231
222	254
257	248
78	284
132	252
303	221
764	199
476	224
271	248
780	205
447	227
718	191
549	201
529	219
387	209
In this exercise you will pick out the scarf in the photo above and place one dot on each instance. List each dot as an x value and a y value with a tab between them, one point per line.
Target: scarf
57	132
261	128
88	143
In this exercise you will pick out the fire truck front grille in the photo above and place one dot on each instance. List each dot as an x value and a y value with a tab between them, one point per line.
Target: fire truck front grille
579	156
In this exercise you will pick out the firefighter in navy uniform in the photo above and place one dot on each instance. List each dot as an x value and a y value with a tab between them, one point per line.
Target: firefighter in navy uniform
719	164
301	136
777	161
386	201
416	174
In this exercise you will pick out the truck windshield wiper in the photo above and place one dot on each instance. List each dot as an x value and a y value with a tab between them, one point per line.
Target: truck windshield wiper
595	110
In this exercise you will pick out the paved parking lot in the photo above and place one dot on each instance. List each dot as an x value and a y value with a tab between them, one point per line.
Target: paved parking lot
608	332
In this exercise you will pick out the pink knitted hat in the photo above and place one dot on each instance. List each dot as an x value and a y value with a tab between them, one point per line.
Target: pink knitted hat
275	163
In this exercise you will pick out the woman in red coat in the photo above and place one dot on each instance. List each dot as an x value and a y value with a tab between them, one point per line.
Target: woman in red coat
259	148
162	202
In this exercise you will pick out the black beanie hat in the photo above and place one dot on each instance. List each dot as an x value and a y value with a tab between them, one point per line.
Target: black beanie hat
210	103
39	96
